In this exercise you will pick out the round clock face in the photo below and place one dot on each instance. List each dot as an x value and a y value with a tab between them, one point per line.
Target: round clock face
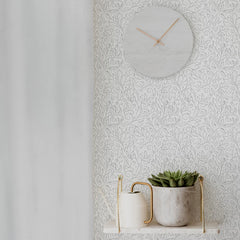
158	42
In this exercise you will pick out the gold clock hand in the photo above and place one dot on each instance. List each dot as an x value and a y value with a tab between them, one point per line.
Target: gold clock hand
140	30
158	40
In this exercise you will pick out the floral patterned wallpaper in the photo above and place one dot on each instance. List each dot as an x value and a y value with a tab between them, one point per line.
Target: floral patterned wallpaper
187	121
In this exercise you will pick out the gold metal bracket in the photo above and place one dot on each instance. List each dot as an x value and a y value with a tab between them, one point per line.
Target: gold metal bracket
202	216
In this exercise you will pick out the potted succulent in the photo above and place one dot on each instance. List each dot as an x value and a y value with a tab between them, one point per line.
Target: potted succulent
173	196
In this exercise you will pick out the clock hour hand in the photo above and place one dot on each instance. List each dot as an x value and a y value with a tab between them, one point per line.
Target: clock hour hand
157	41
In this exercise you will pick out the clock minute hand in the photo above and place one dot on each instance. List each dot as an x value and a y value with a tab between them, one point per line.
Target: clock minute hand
158	40
140	30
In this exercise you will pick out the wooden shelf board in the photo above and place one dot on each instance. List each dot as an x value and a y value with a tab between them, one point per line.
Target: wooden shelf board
196	228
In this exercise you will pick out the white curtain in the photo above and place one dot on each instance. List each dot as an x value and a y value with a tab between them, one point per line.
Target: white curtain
45	119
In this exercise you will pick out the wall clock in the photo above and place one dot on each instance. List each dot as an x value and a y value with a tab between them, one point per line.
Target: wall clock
158	42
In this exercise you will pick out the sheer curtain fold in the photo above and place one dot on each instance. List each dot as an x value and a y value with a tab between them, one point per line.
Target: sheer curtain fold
45	119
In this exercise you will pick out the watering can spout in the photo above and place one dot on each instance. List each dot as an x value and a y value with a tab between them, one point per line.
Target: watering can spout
106	203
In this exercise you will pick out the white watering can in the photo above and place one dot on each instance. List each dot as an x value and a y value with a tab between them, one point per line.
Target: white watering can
131	207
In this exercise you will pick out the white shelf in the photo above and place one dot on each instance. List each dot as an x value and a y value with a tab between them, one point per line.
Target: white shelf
211	228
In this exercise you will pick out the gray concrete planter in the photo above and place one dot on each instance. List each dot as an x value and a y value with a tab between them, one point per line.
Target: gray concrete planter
172	206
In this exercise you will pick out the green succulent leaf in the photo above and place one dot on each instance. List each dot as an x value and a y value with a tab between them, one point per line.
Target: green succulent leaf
179	174
164	183
154	183
167	174
180	182
172	183
156	179
160	177
190	181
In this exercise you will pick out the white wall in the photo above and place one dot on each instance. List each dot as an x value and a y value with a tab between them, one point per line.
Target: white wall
187	121
46	96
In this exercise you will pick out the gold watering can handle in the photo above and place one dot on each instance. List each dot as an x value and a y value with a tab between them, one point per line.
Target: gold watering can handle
151	213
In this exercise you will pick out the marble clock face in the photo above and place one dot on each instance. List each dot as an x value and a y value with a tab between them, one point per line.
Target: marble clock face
158	42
